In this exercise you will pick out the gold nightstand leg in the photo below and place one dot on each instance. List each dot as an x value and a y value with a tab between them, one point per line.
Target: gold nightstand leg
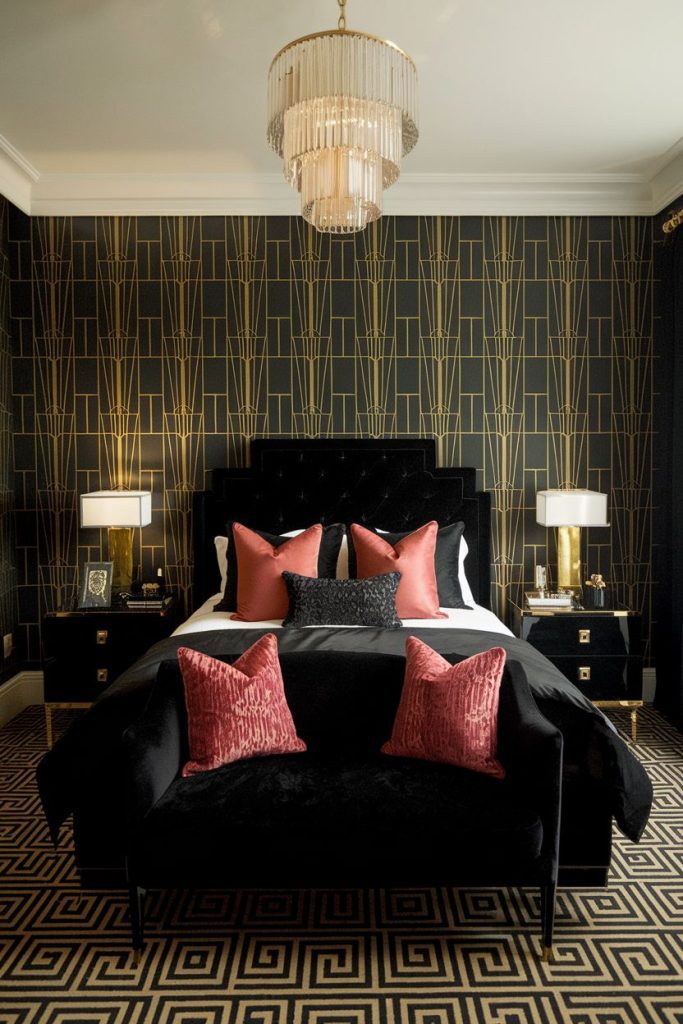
634	707
64	705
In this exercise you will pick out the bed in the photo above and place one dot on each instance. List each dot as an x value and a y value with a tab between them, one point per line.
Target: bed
397	486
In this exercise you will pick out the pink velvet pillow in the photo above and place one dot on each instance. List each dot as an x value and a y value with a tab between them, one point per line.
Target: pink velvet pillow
449	713
236	711
261	591
413	556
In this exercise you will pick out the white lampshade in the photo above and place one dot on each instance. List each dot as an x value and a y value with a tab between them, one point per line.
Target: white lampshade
571	507
116	508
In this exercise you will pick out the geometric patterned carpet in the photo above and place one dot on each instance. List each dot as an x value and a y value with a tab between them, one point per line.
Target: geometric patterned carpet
419	956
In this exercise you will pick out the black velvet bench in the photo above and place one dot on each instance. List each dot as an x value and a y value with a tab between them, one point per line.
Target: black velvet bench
342	814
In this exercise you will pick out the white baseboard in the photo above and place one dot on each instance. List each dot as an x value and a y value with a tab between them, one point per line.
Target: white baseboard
649	684
19	692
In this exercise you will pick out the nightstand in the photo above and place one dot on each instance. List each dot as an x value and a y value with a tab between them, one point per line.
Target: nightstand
84	651
599	650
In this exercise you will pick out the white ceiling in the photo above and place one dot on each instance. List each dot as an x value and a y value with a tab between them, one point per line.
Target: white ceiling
159	105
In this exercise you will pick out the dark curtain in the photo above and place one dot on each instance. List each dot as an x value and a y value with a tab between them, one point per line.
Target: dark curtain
668	478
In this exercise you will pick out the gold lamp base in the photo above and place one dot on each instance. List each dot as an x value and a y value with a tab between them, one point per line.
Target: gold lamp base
121	554
569	558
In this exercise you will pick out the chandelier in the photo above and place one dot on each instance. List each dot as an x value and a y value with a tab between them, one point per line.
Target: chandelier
342	111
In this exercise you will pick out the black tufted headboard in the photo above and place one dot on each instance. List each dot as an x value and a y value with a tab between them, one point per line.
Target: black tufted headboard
391	484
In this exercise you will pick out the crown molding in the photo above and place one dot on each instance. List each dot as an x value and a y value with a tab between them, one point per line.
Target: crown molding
162	194
98	194
519	195
667	183
17	175
268	194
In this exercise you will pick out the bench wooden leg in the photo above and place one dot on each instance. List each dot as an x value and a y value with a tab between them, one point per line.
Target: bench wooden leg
136	897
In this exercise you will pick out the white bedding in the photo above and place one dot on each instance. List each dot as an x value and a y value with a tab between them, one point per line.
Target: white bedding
477	617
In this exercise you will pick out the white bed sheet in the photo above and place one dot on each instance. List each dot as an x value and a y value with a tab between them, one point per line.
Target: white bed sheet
205	618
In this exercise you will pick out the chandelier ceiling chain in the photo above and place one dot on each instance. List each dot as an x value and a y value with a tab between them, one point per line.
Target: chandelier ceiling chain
342	112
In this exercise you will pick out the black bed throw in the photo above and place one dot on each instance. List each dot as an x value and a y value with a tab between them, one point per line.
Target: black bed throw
591	745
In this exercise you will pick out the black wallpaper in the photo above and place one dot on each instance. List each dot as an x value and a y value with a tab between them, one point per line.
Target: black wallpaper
8	581
667	596
149	350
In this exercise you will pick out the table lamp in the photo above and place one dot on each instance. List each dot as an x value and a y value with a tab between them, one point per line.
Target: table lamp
569	510
120	512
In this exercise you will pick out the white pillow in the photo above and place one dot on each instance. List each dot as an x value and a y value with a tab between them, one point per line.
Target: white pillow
465	588
343	559
222	556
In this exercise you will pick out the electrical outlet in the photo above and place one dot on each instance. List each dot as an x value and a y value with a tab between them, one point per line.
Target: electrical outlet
7	645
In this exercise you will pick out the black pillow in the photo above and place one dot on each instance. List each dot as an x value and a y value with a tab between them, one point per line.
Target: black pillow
330	543
324	602
446	557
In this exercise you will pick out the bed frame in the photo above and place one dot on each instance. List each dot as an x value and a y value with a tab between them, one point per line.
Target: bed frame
395	485
392	484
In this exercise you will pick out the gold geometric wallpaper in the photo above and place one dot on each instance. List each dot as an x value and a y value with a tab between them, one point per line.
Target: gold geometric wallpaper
149	350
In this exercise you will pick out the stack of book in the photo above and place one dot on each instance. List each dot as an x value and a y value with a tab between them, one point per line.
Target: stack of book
140	603
547	599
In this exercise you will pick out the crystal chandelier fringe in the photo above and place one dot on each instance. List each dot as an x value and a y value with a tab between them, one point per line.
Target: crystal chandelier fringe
342	63
342	111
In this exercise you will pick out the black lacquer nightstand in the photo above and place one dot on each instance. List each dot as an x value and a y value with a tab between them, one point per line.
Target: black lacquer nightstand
84	651
599	650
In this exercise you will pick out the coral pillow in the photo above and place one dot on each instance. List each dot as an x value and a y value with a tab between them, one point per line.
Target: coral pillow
328	555
413	557
236	711
449	540
261	591
449	713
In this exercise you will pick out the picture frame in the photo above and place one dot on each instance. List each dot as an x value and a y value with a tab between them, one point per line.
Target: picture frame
96	581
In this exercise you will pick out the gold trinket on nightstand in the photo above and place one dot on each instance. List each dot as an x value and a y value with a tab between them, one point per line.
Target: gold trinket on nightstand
596	590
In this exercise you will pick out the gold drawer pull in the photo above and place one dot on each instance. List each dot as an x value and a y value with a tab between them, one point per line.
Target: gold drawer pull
102	636
584	673
102	675
584	636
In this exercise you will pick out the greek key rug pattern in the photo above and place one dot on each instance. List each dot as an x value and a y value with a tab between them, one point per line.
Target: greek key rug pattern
419	956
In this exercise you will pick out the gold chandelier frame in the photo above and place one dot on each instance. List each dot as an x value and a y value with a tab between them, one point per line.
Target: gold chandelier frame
342	32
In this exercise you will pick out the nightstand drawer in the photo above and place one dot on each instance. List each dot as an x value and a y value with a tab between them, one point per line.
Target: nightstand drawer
77	682
581	635
604	678
90	639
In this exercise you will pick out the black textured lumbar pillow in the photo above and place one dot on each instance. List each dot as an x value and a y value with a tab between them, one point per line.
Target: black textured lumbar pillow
321	602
